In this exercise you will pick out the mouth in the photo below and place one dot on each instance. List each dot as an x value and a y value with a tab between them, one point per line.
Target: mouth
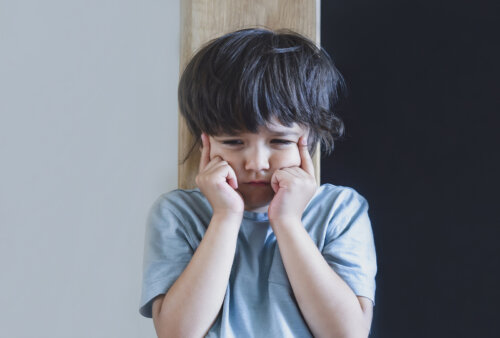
258	183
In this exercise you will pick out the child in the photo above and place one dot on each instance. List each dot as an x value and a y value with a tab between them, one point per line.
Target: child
258	250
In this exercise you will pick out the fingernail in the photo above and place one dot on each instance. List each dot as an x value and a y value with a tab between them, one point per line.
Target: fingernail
303	141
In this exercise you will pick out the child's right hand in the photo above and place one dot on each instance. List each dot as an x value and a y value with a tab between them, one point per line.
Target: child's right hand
217	181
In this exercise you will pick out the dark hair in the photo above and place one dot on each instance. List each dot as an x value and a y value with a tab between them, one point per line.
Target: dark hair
241	80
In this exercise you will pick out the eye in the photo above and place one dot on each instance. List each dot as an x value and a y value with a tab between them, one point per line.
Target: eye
281	141
232	142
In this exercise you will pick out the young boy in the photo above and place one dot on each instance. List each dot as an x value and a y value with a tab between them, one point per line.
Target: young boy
258	250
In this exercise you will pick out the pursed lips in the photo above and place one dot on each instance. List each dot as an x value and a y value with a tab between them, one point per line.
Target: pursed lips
258	183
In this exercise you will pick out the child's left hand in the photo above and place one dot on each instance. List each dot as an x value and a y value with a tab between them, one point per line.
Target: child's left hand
293	187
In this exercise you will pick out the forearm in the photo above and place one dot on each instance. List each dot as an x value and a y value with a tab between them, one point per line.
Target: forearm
329	306
192	303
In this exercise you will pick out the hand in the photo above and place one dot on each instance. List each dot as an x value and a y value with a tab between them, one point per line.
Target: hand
217	181
294	187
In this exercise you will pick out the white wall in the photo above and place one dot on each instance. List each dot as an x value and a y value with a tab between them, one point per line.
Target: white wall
88	140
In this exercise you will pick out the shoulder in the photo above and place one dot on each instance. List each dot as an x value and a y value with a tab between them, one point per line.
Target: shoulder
338	196
180	206
180	200
337	208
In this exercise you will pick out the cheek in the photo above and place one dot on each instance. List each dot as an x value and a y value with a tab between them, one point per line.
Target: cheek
224	154
289	158
215	150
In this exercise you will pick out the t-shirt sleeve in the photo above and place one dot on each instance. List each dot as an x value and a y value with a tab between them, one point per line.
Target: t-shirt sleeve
167	252
349	246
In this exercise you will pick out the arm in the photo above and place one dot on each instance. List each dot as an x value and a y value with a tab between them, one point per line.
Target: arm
329	306
192	304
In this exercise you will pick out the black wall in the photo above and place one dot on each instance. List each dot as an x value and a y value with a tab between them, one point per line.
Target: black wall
422	124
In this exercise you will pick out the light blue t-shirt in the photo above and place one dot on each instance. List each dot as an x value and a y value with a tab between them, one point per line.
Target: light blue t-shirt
259	300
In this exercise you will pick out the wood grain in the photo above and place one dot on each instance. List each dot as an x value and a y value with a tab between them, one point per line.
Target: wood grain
204	20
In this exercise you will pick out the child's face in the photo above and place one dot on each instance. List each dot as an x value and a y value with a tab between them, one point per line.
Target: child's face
255	157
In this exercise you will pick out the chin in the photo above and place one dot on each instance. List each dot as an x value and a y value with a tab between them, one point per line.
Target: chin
257	199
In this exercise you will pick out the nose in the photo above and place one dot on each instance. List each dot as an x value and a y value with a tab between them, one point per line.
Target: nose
257	159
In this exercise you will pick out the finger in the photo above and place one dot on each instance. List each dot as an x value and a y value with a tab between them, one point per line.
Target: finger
306	160
275	181
222	169
231	178
205	152
214	163
295	171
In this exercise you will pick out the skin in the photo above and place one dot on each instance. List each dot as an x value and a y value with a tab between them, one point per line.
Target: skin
278	156
269	155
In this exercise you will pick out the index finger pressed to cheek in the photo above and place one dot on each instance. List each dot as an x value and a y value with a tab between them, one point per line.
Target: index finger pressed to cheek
306	160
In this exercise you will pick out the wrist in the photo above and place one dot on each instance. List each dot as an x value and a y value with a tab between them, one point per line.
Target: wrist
227	216
286	222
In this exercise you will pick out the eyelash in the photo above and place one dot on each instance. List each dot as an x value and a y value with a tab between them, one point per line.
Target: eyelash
282	141
232	142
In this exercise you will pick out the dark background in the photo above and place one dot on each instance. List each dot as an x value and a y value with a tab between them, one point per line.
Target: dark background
421	145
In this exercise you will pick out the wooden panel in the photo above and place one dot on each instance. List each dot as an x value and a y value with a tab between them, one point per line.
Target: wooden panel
203	20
